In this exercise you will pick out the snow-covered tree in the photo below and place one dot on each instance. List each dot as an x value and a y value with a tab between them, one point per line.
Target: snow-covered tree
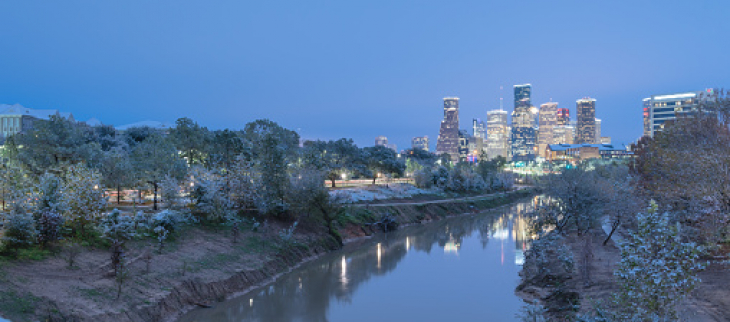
117	170
83	198
211	195
154	159
382	160
270	149
118	229
657	270
18	231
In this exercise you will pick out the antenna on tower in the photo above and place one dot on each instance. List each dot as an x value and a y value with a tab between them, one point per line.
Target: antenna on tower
500	98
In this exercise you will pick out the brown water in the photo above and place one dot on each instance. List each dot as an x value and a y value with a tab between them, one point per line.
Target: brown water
460	269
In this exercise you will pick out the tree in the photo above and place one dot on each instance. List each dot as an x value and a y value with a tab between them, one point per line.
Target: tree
154	159
381	159
116	170
574	201
83	198
337	158
308	195
271	149
657	270
190	139
54	142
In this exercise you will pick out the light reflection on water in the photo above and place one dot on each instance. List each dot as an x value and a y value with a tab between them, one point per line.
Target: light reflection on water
398	277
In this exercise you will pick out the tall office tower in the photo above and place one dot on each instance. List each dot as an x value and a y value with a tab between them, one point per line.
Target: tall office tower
420	142
586	121
498	134
448	140
463	145
563	116
381	140
479	136
563	134
548	121
524	134
665	108
647	110
598	131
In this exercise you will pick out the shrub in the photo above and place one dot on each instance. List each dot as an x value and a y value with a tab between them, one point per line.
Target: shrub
19	231
49	227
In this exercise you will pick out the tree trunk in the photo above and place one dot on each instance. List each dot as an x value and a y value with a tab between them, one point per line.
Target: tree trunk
119	194
614	227
374	177
333	183
155	198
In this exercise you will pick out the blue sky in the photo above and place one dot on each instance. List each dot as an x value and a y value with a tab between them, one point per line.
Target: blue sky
354	69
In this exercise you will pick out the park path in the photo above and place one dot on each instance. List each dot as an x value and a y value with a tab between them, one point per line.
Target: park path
479	197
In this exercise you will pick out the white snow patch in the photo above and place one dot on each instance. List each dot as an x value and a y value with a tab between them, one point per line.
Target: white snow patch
371	193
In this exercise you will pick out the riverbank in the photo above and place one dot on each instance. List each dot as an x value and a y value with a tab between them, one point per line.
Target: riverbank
200	267
592	281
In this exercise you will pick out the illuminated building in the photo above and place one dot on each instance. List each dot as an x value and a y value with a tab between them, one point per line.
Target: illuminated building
563	134
382	140
524	134
16	118
665	108
647	122
463	146
479	136
548	121
420	142
497	134
598	130
448	140
605	140
563	116
580	152
586	121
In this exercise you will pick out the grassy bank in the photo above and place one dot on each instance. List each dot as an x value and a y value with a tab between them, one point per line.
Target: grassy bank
200	265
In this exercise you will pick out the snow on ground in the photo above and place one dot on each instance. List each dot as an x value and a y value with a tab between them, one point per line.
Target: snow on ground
380	192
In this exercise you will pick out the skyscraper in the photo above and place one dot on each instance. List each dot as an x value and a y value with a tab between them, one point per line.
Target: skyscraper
381	140
420	142
647	110
463	146
479	136
598	131
523	125
563	116
563	134
497	134
548	121
448	140
586	121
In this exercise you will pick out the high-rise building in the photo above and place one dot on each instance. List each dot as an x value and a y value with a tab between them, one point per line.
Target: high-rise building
448	140
647	110
420	142
665	108
382	140
498	134
586	121
563	116
598	131
463	145
548	121
479	137
563	134
524	134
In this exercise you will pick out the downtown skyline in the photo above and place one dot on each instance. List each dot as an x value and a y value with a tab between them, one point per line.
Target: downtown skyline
314	67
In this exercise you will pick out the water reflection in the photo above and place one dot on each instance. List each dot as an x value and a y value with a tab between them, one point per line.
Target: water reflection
363	284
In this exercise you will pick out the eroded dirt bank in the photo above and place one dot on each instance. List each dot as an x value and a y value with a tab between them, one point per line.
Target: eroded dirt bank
200	267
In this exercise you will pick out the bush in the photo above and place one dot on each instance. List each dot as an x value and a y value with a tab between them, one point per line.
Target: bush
49	227
19	231
423	178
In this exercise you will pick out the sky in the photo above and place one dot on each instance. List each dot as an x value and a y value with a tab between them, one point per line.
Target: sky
355	69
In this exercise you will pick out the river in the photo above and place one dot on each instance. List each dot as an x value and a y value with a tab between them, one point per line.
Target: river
460	269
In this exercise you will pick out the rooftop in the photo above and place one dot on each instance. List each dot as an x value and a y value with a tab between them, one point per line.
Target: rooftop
601	147
674	97
17	109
